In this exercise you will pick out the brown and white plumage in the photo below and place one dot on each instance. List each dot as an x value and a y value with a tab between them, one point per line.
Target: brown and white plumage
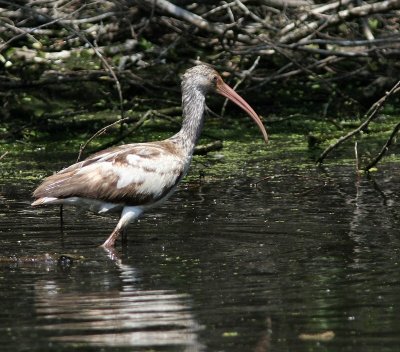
132	178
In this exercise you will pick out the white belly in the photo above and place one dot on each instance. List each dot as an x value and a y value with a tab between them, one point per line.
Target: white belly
96	206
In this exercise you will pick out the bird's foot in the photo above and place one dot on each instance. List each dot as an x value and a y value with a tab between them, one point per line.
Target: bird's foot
110	242
124	238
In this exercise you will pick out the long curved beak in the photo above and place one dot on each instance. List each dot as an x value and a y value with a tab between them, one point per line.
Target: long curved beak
223	89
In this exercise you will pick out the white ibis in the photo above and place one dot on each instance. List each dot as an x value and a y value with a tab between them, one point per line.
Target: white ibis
134	178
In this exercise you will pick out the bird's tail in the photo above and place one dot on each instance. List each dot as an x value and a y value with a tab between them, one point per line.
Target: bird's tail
45	200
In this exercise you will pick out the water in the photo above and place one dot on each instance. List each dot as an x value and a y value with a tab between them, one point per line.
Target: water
306	261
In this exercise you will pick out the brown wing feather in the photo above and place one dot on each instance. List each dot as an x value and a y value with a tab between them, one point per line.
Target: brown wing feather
129	174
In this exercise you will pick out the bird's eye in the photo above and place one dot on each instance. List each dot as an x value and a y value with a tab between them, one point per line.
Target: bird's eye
215	79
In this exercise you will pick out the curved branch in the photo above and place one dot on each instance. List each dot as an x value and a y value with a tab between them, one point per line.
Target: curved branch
98	133
384	149
371	114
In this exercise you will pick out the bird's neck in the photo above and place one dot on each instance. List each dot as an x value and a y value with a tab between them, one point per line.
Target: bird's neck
193	105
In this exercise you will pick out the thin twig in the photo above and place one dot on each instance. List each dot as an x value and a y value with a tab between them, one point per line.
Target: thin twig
122	136
3	155
245	74
98	133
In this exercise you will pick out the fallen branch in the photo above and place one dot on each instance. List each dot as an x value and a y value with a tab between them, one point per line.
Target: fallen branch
359	11
384	149
370	115
54	77
185	15
315	11
346	42
36	56
204	149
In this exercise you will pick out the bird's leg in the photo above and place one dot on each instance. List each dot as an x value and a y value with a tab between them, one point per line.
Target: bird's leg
128	214
61	216
124	237
62	225
110	242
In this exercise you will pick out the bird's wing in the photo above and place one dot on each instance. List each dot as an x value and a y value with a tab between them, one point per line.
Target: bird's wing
133	174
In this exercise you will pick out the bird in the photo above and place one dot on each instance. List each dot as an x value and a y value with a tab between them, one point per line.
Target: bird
130	179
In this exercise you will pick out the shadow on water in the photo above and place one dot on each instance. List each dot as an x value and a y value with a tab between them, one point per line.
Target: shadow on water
305	261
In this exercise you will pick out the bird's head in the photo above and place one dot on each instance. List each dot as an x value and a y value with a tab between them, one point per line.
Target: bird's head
206	79
201	77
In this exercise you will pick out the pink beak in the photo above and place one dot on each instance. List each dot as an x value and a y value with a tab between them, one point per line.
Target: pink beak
223	89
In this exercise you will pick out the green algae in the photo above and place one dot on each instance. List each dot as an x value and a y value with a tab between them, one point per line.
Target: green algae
39	152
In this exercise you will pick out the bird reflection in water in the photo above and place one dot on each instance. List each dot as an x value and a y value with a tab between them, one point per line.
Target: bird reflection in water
115	313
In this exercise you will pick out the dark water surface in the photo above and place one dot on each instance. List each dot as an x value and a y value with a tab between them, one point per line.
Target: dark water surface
306	261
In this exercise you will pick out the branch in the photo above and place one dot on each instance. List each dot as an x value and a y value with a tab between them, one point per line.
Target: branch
204	149
79	34
317	11
370	115
52	77
3	155
244	75
346	42
384	149
359	11
185	15
134	127
98	133
282	4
